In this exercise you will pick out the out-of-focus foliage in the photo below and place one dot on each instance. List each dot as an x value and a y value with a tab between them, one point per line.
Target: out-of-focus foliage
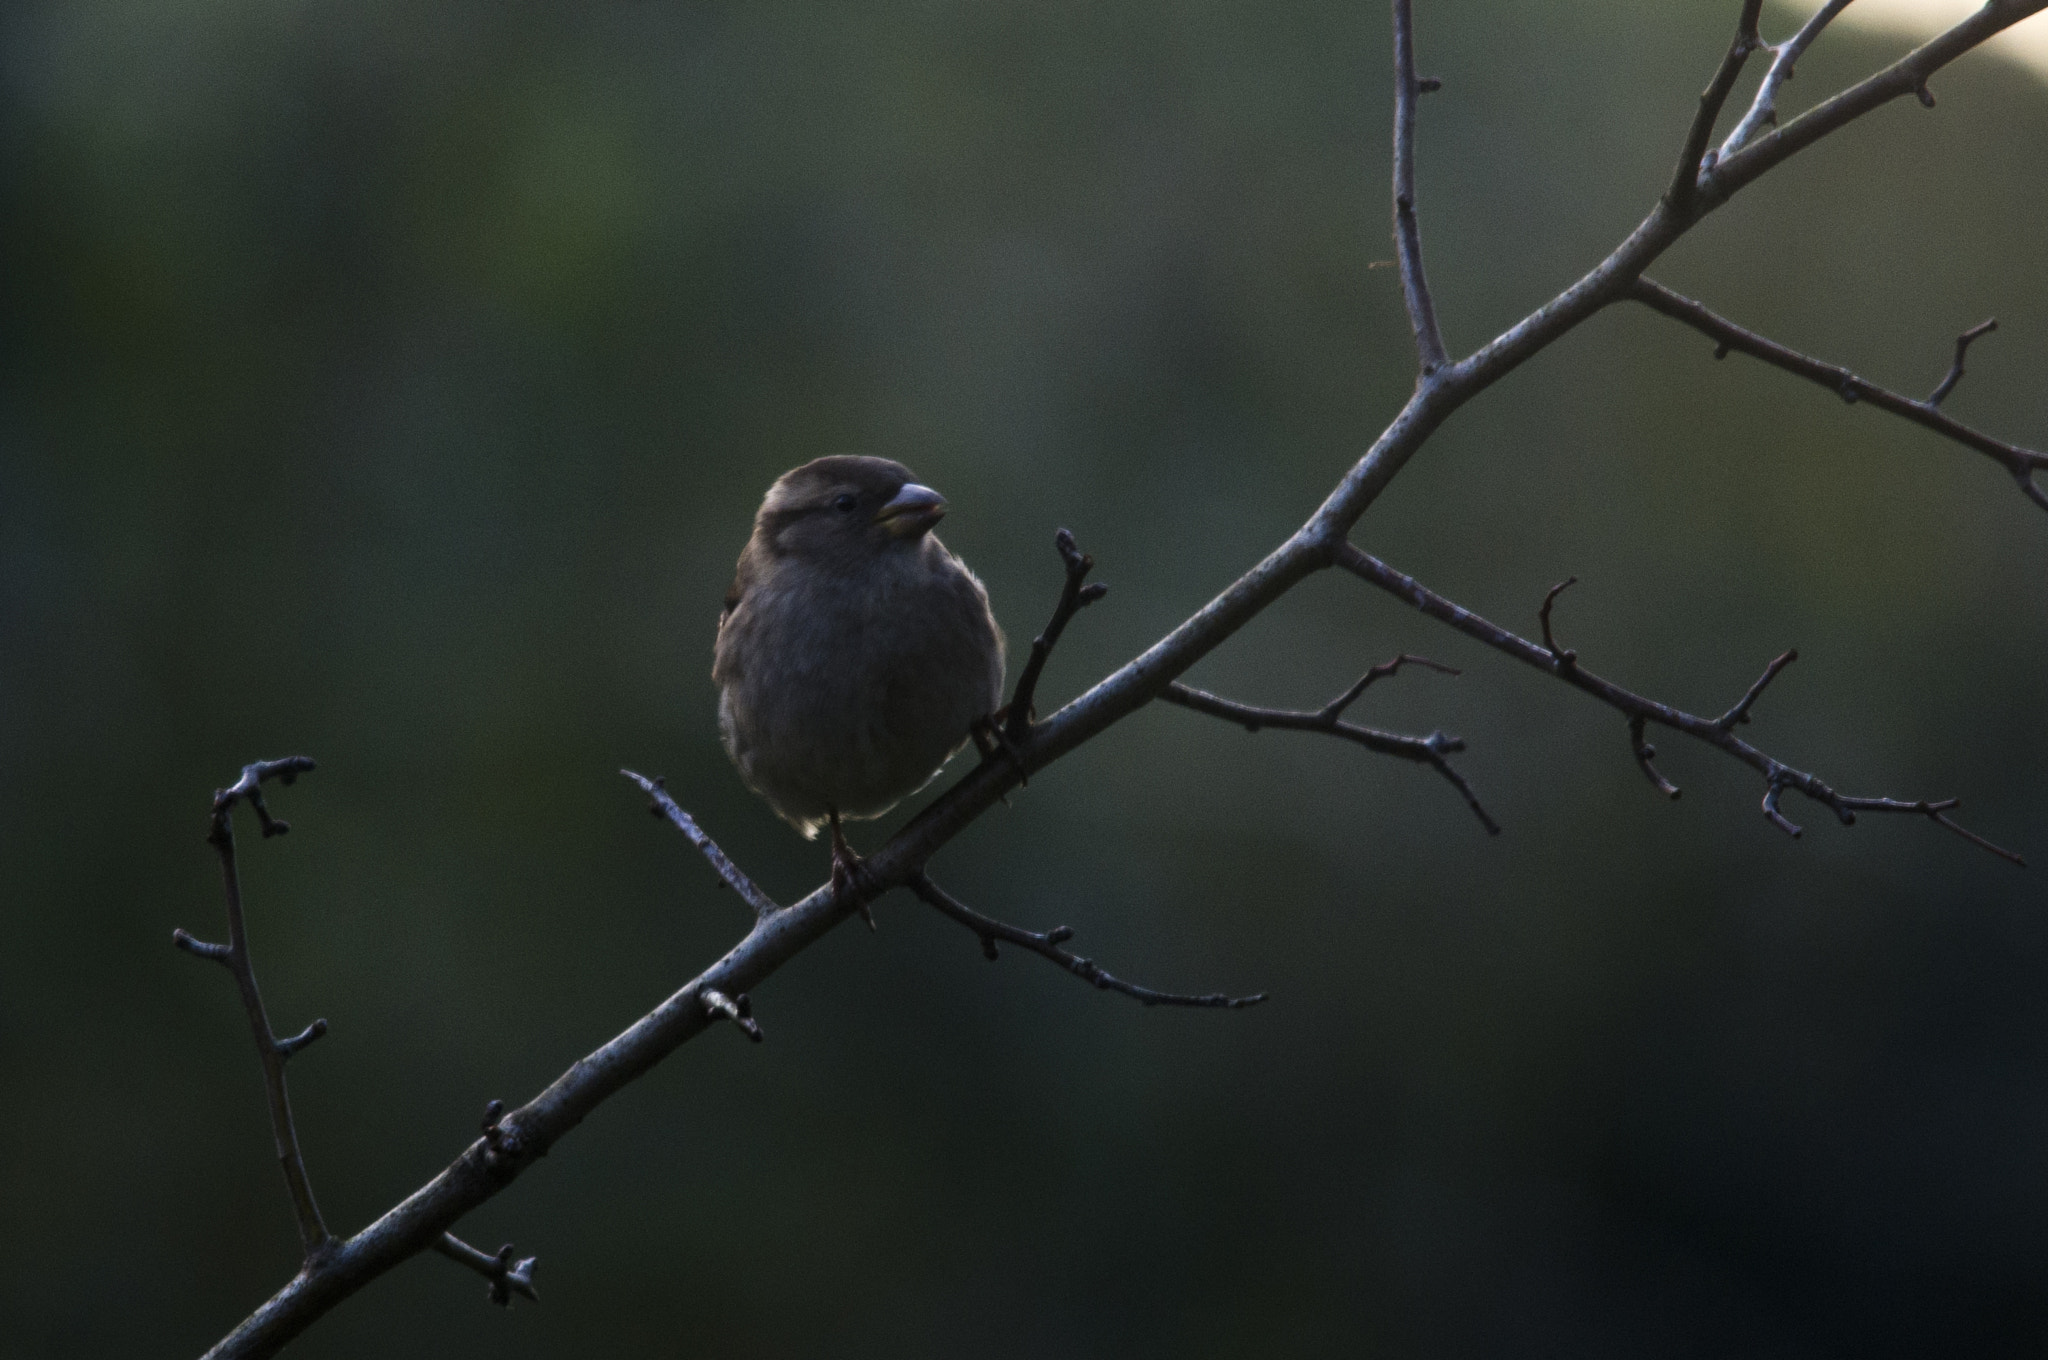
393	382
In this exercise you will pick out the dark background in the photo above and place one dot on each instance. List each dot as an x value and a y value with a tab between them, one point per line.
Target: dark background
393	382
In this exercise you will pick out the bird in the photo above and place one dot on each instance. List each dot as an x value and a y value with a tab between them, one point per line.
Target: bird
855	653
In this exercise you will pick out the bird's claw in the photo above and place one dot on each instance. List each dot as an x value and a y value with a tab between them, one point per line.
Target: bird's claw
850	876
992	738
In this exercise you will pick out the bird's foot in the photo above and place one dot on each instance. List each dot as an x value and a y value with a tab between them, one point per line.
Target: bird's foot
992	738
850	876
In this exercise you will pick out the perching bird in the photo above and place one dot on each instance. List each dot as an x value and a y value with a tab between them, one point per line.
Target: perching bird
856	653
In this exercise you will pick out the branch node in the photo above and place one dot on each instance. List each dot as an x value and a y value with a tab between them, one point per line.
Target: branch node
1924	95
1645	755
501	1143
1428	84
737	1009
1564	657
507	1276
1772	792
1740	712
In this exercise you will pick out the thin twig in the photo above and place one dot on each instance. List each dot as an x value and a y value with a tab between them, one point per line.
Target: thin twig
1740	712
1408	90
1646	756
1763	109
1074	597
1429	750
729	874
1638	709
507	1276
1955	368
1563	656
271	1051
1692	154
1046	944
2020	462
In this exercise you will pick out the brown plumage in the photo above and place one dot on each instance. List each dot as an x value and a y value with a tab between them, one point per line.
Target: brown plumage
855	652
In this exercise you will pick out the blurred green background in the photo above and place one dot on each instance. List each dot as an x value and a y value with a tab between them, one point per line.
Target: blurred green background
393	382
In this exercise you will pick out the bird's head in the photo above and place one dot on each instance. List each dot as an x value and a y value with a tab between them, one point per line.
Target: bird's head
846	510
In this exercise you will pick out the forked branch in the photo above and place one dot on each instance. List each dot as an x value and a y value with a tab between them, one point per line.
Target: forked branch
1075	595
1046	944
1328	720
271	1051
507	1276
1763	109
1639	710
2023	464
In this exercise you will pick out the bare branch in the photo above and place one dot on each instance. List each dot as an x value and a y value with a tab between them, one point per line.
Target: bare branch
1692	154
1763	110
1563	656
729	874
1645	755
1408	89
1429	750
1046	944
271	1051
1906	76
492	1163
507	1276
1955	368
1074	597
1716	732
2022	463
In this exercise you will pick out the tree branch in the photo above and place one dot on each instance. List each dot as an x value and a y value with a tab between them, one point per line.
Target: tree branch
1906	76
1046	944
1429	750
1692	152
1408	90
507	1276
1716	732
2021	463
1955	368
1763	110
1074	597
729	874
489	1165
271	1051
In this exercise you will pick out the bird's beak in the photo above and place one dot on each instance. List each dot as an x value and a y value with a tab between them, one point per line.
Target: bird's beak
911	511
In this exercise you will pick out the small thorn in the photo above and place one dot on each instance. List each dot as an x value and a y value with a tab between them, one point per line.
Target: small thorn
205	949
287	1047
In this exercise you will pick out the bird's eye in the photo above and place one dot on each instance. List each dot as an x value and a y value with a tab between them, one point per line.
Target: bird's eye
845	500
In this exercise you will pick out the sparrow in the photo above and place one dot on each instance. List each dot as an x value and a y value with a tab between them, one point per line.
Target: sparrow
855	654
